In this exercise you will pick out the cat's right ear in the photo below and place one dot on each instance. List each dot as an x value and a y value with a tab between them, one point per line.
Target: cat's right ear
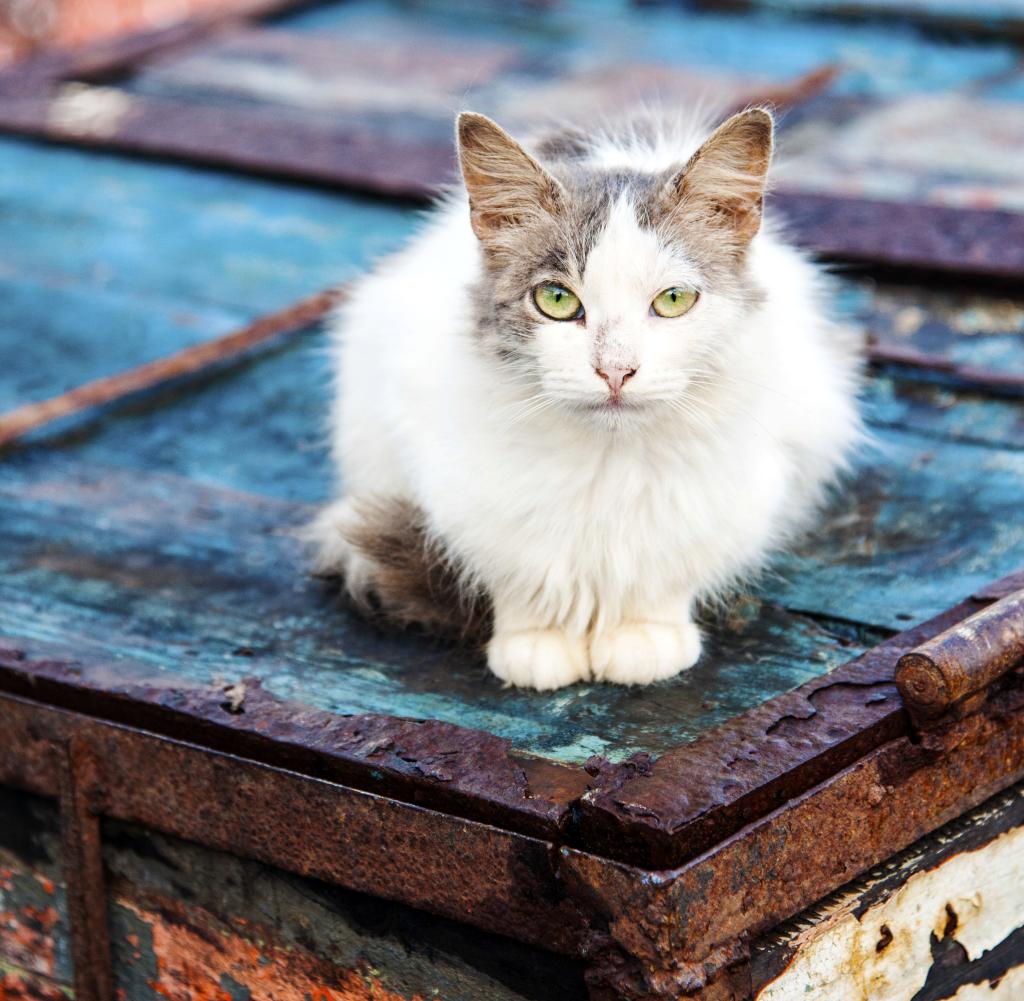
506	186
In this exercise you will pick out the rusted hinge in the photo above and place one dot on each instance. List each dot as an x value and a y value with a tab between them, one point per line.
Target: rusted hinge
948	676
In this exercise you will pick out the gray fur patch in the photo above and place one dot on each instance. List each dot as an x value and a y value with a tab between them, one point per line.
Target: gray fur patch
414	581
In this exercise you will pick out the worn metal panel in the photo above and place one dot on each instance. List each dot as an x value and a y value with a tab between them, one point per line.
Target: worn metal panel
188	922
134	260
939	149
648	936
944	919
35	948
873	59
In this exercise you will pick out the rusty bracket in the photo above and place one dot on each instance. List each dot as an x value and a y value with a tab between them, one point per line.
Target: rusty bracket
946	677
80	808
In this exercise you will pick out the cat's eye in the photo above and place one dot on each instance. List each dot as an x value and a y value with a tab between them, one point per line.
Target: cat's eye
674	301
557	302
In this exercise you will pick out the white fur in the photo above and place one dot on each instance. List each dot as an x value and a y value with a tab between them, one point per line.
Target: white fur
593	531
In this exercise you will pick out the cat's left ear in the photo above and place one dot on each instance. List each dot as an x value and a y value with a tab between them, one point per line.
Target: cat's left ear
506	186
723	182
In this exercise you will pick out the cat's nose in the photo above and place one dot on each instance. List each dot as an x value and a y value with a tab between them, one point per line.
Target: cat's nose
615	377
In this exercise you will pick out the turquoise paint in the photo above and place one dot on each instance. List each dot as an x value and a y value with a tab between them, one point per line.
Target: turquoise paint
157	576
945	413
157	537
107	262
875	59
928	522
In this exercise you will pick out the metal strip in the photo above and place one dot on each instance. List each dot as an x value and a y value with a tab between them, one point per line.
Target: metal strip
648	936
83	872
984	380
192	360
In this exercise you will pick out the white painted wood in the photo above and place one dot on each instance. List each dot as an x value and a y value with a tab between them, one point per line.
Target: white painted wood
839	959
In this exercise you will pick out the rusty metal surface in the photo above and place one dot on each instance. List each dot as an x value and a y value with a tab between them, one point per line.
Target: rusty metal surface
647	935
464	772
773	955
692	926
83	861
687	800
188	922
496	880
654	813
963	660
35	962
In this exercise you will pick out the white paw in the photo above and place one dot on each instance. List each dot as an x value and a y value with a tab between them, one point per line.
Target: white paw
543	659
641	652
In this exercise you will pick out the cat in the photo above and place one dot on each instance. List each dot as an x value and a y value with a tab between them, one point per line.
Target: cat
595	390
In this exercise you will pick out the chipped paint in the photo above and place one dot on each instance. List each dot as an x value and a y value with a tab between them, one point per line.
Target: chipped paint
82	110
1007	988
17	984
886	952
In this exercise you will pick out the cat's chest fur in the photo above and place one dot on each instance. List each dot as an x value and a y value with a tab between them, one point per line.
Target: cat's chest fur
596	526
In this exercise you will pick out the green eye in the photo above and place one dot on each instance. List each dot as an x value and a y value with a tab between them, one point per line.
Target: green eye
557	302
674	301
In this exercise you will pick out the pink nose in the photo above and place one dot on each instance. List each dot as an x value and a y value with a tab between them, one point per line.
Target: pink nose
616	377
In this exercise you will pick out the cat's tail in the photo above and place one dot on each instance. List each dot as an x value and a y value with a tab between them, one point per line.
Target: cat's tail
393	567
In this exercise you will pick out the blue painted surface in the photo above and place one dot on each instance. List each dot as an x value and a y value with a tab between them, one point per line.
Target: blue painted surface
875	59
156	536
107	262
159	577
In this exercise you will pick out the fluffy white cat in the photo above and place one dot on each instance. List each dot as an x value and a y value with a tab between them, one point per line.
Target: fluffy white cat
592	392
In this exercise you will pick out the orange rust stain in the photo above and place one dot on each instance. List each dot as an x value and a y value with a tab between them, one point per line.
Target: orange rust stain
27	939
194	950
21	985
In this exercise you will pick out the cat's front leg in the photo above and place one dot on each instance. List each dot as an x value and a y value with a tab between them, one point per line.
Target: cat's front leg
529	653
652	645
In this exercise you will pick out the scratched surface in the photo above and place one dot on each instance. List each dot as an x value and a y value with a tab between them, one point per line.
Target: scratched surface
873	59
156	534
134	260
35	960
190	923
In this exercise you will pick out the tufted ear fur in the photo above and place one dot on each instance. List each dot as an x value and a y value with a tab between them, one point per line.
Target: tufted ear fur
723	183
506	186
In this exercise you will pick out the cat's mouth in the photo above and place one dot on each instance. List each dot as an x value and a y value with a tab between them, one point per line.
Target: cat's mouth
613	404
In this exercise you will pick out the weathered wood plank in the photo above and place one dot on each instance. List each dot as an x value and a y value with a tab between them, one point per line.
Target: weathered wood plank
35	954
189	922
159	576
108	262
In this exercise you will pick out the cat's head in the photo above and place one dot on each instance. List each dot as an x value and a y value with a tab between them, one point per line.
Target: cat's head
611	282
